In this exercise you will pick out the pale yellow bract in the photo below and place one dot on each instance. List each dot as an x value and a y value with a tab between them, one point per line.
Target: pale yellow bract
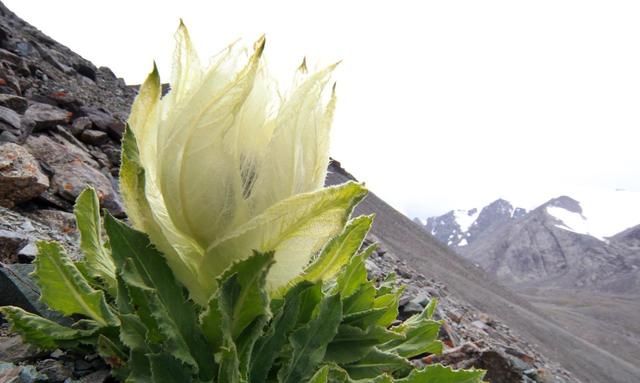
231	166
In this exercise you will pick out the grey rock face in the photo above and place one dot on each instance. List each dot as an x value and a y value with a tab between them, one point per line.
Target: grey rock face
73	169
94	137
448	230
20	175
16	103
536	251
9	118
46	116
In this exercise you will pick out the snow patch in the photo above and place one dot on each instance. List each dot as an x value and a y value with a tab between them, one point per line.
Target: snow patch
605	213
610	212
463	242
464	219
571	221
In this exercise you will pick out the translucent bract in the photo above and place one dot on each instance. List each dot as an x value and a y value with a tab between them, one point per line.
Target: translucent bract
230	165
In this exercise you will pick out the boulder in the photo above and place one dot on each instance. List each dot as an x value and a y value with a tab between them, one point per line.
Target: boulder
11	243
80	124
104	121
94	137
20	175
46	116
16	103
73	170
10	118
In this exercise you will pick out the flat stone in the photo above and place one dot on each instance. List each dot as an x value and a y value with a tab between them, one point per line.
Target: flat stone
94	137
19	289
55	370
411	308
10	245
6	136
74	170
16	103
113	154
20	175
10	117
104	121
28	253
46	116
80	124
13	349
58	220
71	179
10	373
54	150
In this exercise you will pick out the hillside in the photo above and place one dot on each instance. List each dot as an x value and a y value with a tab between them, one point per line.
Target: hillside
424	253
61	119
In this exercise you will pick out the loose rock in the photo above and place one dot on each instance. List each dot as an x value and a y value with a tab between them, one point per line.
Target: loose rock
80	124
94	137
10	117
16	103
46	116
20	175
104	121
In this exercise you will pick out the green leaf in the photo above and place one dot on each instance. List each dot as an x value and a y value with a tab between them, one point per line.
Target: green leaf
309	343
230	289
388	284
354	274
246	342
141	323
229	370
321	376
295	228
431	308
353	343
65	289
437	373
361	300
45	333
365	318
310	303
99	262
339	250
140	368
114	355
377	363
249	302
389	303
269	346
133	333
419	338
140	263
167	369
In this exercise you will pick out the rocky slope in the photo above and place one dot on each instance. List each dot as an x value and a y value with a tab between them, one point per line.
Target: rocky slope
62	121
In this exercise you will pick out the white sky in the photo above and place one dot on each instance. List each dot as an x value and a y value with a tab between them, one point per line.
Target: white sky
442	105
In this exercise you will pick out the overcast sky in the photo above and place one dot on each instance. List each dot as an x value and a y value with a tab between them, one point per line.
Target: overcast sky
442	105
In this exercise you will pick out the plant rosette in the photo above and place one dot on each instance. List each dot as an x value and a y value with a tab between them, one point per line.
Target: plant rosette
239	265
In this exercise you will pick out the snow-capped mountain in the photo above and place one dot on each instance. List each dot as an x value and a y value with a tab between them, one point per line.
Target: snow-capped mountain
461	227
563	242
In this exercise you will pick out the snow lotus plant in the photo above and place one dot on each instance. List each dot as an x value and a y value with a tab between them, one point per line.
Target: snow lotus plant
240	266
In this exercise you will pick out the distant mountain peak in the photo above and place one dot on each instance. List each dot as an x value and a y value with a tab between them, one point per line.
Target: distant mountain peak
564	242
461	227
566	203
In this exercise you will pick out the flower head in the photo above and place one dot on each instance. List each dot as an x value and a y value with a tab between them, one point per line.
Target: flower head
223	165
